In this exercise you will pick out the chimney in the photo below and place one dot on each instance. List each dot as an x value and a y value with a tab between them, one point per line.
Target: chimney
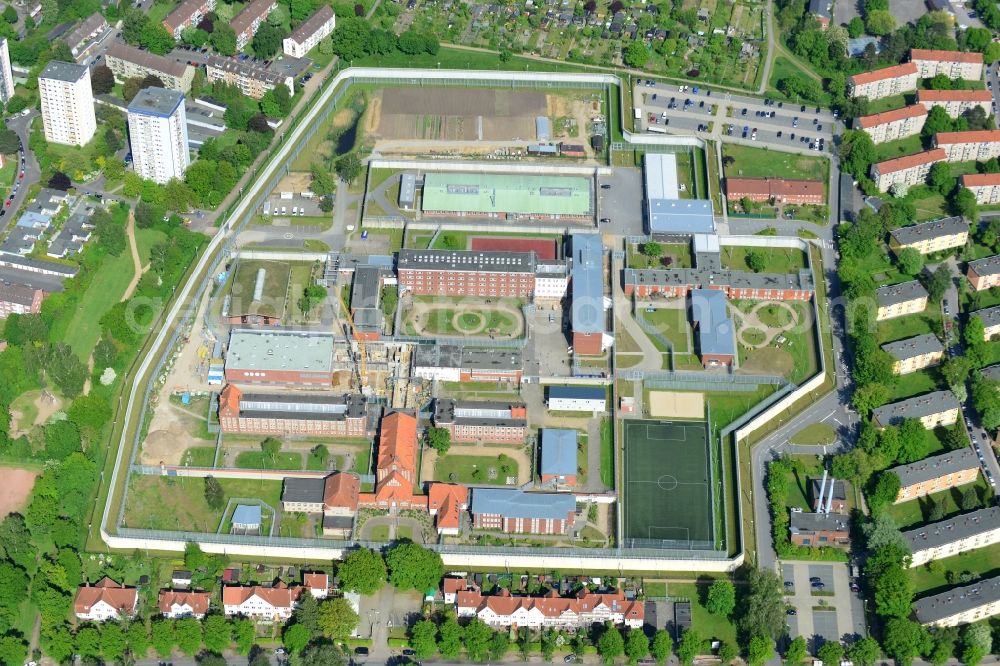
829	497
819	500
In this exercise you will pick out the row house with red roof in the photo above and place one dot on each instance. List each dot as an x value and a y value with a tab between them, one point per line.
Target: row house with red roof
183	603
105	600
550	611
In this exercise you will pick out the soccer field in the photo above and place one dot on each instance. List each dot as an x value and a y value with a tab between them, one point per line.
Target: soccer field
668	484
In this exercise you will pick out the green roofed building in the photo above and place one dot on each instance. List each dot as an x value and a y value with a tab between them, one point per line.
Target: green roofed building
507	195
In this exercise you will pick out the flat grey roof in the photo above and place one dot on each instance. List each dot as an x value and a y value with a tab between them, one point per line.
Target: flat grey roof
716	334
915	233
936	466
160	102
714	277
680	216
408	189
16	293
483	413
915	408
587	283
953	529
915	346
990	316
992	372
467	260
899	293
805	522
578	392
63	71
367	287
957	600
559	451
293	404
512	503
456	356
307	351
986	265
303	490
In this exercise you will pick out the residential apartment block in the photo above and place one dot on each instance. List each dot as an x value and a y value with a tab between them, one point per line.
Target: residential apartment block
818	529
777	190
933	236
901	299
953	536
984	273
978	145
883	82
253	79
941	472
515	511
310	32
187	15
892	125
469	421
467	273
956	102
914	353
960	605
939	408
991	322
292	414
6	75
19	299
550	611
953	64
67	103
105	600
246	23
176	604
158	136
86	36
126	62
906	171
455	363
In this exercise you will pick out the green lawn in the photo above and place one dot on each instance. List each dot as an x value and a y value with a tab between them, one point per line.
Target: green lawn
909	326
727	406
106	289
815	433
915	511
257	460
199	456
891	149
380	533
784	67
471	469
915	383
761	162
888	103
930	207
675	255
145	239
481	322
178	503
709	626
982	561
673	324
777	260
607	454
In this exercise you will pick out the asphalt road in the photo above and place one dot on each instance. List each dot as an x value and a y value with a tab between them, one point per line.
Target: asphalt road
21	126
993	83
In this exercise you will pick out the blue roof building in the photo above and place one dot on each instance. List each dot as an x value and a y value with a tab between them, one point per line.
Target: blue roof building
716	334
559	455
666	213
246	518
587	287
577	398
520	512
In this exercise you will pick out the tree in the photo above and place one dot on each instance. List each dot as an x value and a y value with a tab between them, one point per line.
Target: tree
64	368
276	102
267	41
756	261
137	639
938	283
746	204
976	643
244	633
9	143
422	639
450	639
323	654
911	262
362	571
937	121
162	637
348	167
610	645
965	204
690	647
224	40
904	639
940	178
831	652
337	619
187	633
970	499
156	39
476	637
10	15
214	494
721	598
13	650
438	439
765	605
759	650
61	439
864	652
112	641
133	23
894	593
880	23
102	80
912	440
636	54
217	634
60	181
350	37
499	644
662	646
636	646
943	649
796	651
414	567
270	448
857	152
652	249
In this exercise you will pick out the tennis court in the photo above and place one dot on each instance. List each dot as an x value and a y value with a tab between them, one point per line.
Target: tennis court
668	484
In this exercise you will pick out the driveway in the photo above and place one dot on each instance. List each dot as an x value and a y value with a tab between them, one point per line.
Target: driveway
844	619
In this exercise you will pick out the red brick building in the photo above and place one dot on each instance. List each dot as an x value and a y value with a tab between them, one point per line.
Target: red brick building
736	284
778	190
464	273
818	529
292	413
19	299
396	468
518	512
297	358
470	422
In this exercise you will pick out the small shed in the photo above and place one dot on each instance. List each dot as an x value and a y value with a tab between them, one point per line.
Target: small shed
246	519
543	129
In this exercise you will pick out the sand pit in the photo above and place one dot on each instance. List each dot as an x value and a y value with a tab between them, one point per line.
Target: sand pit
675	404
16	488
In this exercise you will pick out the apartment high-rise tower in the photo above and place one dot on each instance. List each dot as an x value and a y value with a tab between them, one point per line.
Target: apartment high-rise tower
67	103
157	131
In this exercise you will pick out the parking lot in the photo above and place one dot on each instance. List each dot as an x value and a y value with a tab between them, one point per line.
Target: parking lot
830	611
621	202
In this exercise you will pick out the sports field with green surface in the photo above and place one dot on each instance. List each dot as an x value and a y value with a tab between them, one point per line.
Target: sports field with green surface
668	495
502	193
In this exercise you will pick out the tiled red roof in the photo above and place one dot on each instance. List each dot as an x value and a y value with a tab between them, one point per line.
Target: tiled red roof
946	56
341	490
198	601
954	96
910	161
552	605
280	596
110	592
448	499
979	179
902	113
972	136
892	72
